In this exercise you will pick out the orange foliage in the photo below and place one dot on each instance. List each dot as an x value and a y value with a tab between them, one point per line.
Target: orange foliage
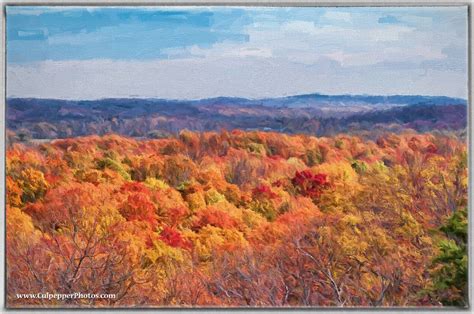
214	217
231	218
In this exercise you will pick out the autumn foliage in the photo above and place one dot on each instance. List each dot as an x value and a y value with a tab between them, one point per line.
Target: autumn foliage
239	219
310	184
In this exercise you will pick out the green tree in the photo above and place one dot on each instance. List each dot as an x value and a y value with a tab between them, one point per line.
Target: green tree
450	265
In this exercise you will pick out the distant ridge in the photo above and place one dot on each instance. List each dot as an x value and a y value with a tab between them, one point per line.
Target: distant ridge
303	100
310	114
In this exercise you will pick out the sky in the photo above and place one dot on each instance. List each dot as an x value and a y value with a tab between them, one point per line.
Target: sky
253	52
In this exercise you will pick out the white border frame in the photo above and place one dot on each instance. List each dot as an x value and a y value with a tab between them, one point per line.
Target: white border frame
272	3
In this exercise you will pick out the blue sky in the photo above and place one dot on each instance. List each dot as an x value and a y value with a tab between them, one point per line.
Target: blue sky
200	52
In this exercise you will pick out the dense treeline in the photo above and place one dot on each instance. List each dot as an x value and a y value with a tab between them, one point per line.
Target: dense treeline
239	219
52	119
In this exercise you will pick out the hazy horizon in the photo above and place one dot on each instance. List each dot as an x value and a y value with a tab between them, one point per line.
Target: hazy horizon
235	97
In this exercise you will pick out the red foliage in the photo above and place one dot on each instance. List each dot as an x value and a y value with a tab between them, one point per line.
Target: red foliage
214	217
263	192
52	179
62	205
150	237
309	184
431	149
176	214
275	157
136	187
414	143
139	207
173	238
36	211
277	183
54	239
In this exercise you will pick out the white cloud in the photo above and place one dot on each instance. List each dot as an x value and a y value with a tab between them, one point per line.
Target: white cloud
306	43
209	77
280	58
220	50
38	10
337	16
304	27
389	33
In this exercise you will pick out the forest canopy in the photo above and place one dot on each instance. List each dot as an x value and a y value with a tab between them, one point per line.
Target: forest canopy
237	218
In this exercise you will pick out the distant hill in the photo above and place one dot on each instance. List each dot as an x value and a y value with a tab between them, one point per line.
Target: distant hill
313	114
311	100
306	100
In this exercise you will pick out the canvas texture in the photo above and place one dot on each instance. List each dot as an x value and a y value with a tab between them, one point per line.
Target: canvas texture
225	156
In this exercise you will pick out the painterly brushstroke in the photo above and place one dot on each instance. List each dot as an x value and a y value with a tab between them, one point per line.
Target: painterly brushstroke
236	157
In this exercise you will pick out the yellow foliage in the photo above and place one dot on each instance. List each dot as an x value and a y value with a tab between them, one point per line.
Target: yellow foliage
338	172
165	254
352	220
156	184
195	201
212	238
251	219
20	228
14	192
297	163
352	245
212	197
409	227
33	184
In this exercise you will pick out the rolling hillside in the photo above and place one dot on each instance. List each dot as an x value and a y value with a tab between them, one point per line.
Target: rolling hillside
309	114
